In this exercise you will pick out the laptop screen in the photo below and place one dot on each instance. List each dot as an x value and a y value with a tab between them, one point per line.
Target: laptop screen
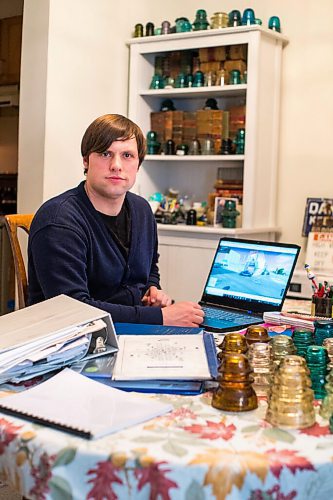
250	275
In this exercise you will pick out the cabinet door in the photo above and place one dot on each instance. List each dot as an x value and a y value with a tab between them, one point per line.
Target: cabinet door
184	270
10	49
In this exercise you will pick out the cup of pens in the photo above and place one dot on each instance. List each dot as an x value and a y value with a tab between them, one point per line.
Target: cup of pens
322	306
322	298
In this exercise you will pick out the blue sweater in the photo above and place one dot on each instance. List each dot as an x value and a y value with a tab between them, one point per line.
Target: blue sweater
72	251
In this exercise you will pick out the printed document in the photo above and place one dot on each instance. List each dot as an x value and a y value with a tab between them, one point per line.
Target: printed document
161	357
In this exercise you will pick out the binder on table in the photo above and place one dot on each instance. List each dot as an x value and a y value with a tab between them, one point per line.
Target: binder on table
182	382
49	335
144	329
72	403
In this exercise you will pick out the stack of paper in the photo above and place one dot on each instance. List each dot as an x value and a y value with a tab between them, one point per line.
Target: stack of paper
49	335
73	403
164	357
292	319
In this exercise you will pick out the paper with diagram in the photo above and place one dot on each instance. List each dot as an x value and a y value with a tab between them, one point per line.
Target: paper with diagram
161	357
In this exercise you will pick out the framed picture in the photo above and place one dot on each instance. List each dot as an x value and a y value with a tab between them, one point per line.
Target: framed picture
218	209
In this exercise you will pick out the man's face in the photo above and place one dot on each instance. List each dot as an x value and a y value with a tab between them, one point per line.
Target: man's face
112	173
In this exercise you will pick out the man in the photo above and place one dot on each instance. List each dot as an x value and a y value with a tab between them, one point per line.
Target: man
98	242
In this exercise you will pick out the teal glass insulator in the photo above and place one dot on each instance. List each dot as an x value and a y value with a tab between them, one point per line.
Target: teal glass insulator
323	330
240	141
274	23
235	18
198	79
189	80
183	25
234	77
302	338
229	214
153	145
258	21
200	22
316	355
248	17
317	360
157	82
181	81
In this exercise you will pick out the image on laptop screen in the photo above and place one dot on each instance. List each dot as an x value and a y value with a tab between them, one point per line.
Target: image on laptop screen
251	271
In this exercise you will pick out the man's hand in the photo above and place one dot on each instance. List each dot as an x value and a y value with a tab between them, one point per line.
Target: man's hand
183	314
156	297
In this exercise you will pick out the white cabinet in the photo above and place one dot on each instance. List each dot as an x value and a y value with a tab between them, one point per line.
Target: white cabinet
186	251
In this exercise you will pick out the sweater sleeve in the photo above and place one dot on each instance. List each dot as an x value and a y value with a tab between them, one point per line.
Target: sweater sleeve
154	276
61	268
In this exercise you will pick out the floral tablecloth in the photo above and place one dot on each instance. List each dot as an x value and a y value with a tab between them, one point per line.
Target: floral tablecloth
195	452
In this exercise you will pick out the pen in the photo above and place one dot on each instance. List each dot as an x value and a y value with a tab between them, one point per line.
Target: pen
312	277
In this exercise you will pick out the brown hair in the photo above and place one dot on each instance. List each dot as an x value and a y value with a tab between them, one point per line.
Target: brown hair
106	129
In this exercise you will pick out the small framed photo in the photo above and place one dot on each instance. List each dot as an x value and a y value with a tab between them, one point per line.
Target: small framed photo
218	209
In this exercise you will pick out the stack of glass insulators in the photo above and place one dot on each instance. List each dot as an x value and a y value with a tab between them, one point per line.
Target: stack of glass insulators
235	391
317	360
261	361
328	343
232	342
302	338
323	330
326	409
282	346
291	399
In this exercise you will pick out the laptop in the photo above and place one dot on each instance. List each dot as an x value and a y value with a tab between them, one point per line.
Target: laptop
247	278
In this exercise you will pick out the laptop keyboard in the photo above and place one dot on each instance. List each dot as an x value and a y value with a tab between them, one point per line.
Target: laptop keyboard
223	315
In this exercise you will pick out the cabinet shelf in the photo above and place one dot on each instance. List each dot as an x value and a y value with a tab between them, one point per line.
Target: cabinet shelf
195	92
178	37
196	158
211	230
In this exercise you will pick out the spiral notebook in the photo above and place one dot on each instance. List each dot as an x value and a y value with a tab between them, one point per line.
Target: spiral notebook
73	403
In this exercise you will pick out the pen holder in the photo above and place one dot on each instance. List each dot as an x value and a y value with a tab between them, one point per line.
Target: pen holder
322	306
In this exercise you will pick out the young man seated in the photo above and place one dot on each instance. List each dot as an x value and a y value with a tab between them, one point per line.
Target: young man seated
97	242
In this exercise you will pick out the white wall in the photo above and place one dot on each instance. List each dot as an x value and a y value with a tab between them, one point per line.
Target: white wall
75	67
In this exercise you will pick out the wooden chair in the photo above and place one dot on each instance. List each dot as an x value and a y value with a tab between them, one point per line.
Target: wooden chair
13	222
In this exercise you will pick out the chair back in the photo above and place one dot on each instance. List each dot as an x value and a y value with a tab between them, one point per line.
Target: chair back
13	222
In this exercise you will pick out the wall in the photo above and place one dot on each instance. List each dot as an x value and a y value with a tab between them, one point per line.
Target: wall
75	67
